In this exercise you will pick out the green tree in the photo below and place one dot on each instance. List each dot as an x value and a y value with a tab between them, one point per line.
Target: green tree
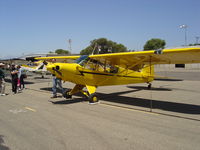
196	44
102	45
154	44
61	51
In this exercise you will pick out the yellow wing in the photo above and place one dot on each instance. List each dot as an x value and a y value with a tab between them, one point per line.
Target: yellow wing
66	59
166	56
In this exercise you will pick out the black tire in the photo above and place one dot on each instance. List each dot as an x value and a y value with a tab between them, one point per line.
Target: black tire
149	86
93	98
66	94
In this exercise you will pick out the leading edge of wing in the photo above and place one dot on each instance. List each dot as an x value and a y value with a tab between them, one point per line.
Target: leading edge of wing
165	56
57	57
147	52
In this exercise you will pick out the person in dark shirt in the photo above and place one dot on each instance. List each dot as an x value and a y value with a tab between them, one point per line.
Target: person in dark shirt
2	82
56	82
14	78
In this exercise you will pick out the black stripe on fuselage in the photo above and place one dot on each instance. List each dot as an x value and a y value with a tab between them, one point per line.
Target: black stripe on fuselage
104	74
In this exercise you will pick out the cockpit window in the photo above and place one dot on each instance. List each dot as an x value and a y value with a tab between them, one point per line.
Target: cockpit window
95	65
81	59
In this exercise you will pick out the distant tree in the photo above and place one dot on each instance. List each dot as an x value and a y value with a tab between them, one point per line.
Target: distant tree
102	45
87	51
154	44
196	44
61	51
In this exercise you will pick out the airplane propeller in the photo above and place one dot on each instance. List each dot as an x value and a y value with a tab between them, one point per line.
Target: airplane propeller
56	69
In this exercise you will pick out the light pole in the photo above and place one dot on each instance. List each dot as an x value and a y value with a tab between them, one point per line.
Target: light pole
197	39
185	27
70	46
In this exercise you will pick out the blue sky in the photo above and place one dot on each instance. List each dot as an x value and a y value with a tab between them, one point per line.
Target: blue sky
40	26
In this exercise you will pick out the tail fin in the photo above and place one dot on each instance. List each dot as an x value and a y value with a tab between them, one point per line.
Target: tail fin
148	72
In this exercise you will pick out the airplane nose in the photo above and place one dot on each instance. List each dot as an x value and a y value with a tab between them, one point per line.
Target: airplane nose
57	67
50	67
54	68
62	68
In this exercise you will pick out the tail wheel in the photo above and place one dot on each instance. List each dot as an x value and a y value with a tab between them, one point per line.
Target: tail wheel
93	98
66	94
149	86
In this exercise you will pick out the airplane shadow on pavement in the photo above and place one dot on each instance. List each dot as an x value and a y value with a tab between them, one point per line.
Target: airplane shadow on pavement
118	97
69	101
146	88
65	101
156	104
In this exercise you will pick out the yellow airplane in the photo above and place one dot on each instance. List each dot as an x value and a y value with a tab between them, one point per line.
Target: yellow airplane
116	68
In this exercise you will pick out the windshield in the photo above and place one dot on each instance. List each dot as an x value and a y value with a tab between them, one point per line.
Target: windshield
81	59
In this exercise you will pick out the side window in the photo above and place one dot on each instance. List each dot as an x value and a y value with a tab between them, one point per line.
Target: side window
114	69
95	65
90	65
83	62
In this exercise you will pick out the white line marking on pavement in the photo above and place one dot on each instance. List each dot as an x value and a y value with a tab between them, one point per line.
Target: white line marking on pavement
16	111
31	109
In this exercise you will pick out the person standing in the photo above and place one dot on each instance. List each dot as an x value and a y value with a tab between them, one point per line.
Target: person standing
14	78
2	81
56	82
21	76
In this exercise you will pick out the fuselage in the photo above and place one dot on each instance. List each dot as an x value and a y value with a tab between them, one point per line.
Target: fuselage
83	75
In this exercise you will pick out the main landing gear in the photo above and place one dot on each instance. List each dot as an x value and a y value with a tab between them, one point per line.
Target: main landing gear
93	98
90	94
66	94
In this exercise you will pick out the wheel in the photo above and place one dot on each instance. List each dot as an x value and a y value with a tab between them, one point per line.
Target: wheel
149	86
93	98
66	94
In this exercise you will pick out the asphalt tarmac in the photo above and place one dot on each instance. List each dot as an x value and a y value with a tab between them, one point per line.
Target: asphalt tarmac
128	117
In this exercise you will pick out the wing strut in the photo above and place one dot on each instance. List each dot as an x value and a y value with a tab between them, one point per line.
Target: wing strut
142	60
150	64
